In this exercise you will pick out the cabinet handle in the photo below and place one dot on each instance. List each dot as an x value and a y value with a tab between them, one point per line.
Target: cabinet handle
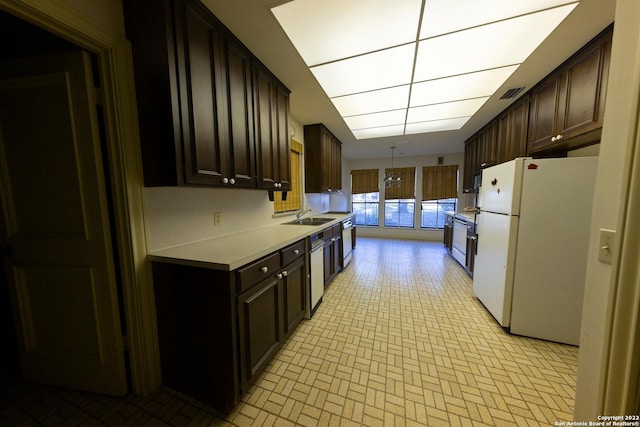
296	252
558	138
264	269
225	180
333	239
232	181
279	275
285	273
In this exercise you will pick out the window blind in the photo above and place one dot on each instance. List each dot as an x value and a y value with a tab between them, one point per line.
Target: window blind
364	181
405	189
293	202
439	182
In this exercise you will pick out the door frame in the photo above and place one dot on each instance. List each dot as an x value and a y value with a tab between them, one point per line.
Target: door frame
125	169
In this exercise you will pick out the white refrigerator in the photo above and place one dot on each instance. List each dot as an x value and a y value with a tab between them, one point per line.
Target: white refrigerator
533	235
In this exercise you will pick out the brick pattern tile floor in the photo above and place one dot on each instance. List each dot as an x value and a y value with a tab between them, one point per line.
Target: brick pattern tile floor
399	340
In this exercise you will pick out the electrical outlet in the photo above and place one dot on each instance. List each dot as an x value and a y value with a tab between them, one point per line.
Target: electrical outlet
217	218
605	251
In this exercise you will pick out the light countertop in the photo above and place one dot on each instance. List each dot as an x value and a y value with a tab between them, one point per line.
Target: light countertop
463	216
232	251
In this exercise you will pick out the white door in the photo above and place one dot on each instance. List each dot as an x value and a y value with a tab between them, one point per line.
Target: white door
55	226
494	263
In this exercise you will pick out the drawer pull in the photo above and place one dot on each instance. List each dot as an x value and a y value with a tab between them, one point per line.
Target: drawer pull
279	275
296	252
284	273
264	269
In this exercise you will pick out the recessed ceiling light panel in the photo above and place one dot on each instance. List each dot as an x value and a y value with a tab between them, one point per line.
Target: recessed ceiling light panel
379	132
327	30
466	86
503	43
393	98
438	18
385	118
465	108
390	73
377	70
436	125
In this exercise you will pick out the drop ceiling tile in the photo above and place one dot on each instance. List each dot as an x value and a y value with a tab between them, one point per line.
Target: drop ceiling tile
371	102
378	70
466	86
438	14
328	30
465	108
385	118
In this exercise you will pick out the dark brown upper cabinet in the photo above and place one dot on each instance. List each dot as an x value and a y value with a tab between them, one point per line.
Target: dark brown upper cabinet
195	89
322	160
512	131
273	145
567	108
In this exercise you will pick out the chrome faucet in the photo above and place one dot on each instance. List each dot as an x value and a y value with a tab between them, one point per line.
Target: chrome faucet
301	213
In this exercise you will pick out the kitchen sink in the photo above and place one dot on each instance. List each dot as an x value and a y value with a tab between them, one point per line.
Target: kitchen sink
310	221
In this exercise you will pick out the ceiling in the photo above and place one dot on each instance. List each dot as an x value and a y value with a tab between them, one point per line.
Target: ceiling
254	24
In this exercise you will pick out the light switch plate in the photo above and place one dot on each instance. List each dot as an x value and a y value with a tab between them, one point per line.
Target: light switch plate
605	251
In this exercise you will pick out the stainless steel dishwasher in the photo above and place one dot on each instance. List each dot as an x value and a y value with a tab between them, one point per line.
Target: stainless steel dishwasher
316	273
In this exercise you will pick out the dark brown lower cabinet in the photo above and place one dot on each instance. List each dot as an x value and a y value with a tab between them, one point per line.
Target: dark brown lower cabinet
293	289
259	328
218	329
332	253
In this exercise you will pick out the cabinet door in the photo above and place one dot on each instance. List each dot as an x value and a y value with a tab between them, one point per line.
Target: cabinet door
582	108
259	328
238	97
487	140
283	142
273	146
470	161
293	290
206	156
543	113
512	132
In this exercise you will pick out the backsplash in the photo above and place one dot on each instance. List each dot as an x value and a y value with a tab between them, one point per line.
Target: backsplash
178	215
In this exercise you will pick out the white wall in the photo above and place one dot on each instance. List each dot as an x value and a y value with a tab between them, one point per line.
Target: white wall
178	215
617	141
400	161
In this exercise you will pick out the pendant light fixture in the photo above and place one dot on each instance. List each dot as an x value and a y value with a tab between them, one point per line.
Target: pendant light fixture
391	178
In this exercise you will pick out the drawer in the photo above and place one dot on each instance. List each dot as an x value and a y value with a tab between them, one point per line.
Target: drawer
255	272
292	252
332	231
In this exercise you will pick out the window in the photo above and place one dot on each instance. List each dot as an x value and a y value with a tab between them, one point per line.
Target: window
399	212
400	202
439	194
294	197
366	197
433	212
365	206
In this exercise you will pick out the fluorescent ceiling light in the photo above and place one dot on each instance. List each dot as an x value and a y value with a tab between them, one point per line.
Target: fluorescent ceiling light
328	30
386	118
436	125
438	18
369	102
382	69
377	60
465	86
481	48
465	108
378	132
